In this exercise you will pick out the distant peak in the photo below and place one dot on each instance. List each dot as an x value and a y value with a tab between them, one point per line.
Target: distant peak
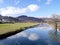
22	16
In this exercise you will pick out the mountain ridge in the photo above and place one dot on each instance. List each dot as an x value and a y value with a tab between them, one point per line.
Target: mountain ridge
22	18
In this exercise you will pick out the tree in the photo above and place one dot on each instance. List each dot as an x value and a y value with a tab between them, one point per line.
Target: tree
55	19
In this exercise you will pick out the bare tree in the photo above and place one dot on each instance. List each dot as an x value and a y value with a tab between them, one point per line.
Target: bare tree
56	19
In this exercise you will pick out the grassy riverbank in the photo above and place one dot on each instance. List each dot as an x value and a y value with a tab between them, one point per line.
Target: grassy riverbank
5	28
58	25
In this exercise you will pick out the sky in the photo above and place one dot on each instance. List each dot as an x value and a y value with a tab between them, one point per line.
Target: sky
34	8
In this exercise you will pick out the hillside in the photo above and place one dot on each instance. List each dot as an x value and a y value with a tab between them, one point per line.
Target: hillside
22	18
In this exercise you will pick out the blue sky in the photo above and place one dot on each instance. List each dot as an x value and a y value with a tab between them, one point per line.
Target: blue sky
34	8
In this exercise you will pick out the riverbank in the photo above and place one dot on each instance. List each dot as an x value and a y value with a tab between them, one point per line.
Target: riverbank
55	25
11	29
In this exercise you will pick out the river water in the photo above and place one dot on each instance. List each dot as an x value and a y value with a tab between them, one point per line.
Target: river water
43	34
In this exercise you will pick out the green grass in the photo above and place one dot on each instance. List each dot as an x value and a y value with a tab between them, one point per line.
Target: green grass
4	28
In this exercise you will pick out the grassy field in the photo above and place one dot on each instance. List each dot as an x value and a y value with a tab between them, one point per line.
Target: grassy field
4	28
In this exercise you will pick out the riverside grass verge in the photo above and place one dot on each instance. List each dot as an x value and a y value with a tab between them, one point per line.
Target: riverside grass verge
11	29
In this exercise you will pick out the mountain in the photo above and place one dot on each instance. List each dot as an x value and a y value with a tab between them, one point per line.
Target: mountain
24	18
7	19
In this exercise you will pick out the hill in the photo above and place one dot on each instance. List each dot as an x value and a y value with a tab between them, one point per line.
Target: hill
22	18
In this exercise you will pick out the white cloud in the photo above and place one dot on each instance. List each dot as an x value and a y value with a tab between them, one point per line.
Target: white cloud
9	11
48	2
33	37
33	7
12	10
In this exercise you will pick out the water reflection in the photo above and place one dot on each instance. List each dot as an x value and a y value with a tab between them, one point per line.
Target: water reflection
55	35
1	43
22	34
34	36
31	36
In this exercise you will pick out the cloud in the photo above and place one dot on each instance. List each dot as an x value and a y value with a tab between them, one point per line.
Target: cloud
33	7
48	2
33	37
12	10
9	11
